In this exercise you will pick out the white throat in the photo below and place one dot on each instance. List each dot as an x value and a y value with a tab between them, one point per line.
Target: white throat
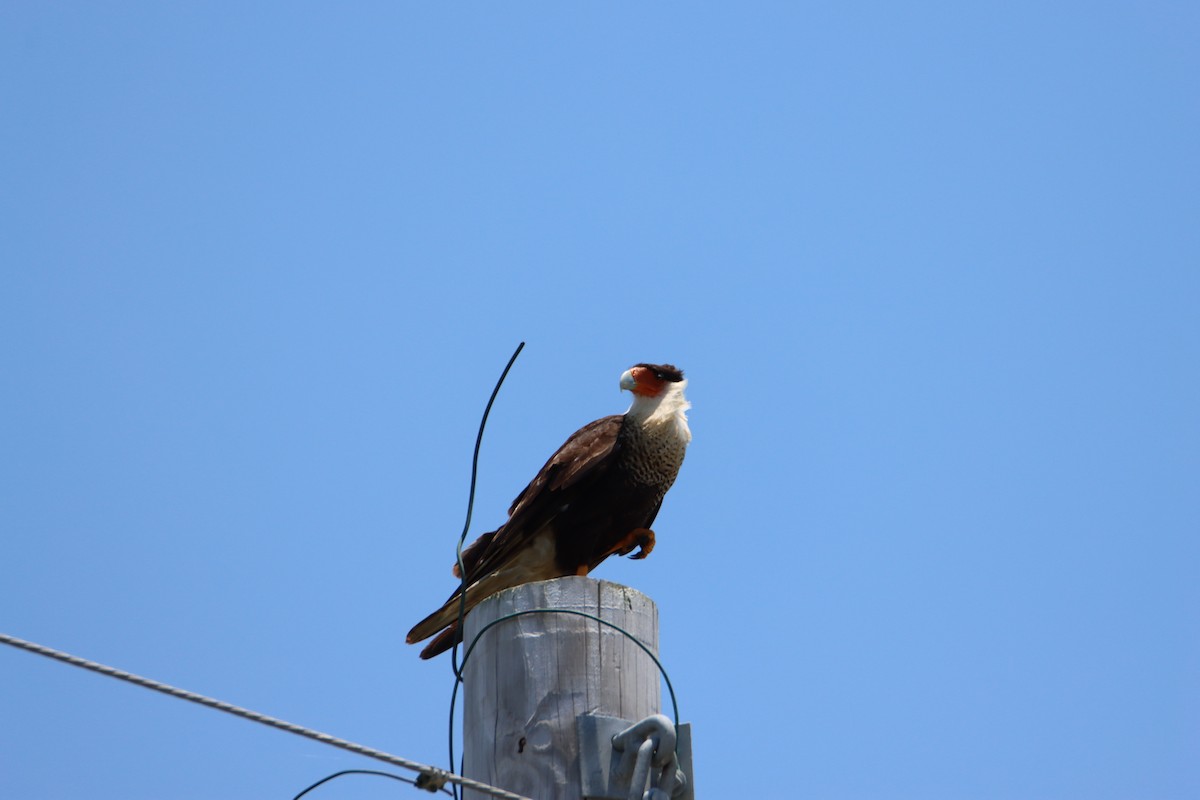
665	414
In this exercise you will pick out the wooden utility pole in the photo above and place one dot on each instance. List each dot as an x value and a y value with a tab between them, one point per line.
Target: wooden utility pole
529	677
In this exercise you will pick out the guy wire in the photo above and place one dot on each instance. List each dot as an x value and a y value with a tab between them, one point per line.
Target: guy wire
431	776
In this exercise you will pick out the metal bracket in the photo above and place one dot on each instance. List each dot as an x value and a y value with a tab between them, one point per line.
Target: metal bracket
618	757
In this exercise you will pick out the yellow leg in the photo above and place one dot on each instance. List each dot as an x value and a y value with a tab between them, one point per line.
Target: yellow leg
641	538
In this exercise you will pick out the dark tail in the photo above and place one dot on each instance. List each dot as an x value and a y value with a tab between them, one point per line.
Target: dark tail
443	641
442	625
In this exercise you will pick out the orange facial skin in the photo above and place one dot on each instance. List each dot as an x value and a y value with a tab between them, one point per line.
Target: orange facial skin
646	383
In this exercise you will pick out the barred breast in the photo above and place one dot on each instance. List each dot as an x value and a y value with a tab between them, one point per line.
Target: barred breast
653	456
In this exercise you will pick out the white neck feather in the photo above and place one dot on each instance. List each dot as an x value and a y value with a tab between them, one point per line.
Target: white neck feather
669	408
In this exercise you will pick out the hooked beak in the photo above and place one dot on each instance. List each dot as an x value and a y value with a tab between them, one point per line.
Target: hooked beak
627	381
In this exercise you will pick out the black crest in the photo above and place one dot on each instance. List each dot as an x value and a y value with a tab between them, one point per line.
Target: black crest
664	372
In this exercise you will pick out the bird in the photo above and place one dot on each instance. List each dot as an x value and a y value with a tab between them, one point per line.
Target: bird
597	496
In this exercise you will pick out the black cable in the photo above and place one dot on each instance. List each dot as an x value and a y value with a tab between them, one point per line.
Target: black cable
462	570
328	778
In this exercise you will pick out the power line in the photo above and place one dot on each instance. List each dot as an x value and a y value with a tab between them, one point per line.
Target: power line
431	778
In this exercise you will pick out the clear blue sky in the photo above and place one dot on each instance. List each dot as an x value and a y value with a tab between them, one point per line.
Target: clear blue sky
933	270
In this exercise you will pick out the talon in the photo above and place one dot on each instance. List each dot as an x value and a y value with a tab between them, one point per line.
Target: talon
641	538
644	539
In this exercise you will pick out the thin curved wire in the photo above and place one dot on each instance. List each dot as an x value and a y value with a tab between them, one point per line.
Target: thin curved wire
328	778
462	570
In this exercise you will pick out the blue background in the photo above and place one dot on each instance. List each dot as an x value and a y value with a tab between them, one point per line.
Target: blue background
933	270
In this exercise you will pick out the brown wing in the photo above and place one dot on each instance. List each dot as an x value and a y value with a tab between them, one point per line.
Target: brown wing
584	458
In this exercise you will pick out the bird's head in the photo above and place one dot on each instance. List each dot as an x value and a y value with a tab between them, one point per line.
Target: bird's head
650	380
657	397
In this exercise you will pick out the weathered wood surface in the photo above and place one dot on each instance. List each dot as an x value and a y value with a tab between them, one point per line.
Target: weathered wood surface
529	677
